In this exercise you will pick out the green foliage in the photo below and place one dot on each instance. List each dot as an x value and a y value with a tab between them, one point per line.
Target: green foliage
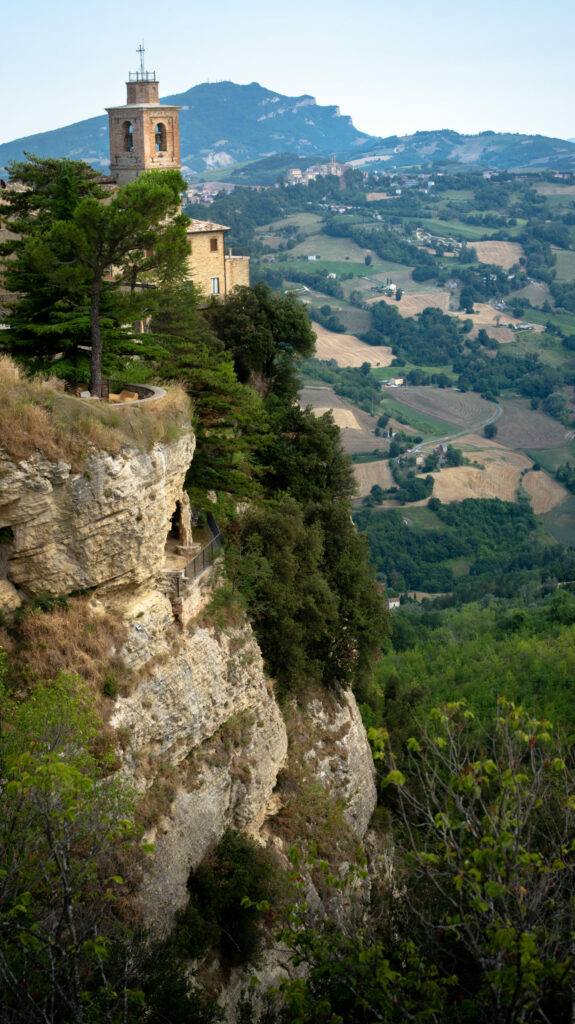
363	389
432	340
228	417
267	334
303	455
498	540
566	476
475	652
59	266
316	613
355	970
487	814
230	895
64	822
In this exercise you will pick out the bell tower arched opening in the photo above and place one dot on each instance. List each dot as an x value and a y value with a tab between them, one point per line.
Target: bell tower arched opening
128	132
161	138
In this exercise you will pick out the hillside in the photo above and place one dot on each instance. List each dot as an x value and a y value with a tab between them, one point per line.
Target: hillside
497	151
223	124
220	124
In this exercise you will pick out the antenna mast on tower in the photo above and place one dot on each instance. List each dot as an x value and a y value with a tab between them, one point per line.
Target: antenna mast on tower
142	75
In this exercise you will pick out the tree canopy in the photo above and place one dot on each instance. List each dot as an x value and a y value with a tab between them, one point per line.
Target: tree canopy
267	334
80	258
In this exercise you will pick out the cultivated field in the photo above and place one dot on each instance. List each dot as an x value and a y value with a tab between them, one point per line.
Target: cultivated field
549	188
486	316
367	474
412	303
503	254
527	429
565	264
357	427
501	473
347	350
465	410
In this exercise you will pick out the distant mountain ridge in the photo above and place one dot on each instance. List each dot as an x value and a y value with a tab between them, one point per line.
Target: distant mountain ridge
222	124
492	150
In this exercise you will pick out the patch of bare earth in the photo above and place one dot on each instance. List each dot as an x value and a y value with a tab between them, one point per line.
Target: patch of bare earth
525	428
347	350
502	254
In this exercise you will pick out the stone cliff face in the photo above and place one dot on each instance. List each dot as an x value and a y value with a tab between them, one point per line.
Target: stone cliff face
203	714
104	527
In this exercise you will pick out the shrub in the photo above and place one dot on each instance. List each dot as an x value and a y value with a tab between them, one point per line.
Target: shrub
237	870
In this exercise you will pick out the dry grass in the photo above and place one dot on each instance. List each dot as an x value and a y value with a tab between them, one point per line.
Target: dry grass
502	473
412	303
344	418
36	416
68	639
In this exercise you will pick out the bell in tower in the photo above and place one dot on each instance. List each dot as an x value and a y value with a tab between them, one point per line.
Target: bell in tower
144	134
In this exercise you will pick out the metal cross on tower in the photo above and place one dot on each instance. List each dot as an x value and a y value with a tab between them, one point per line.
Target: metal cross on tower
141	50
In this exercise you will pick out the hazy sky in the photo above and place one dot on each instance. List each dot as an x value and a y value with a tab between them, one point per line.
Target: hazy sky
395	68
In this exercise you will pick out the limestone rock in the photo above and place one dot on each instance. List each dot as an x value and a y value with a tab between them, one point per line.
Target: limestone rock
203	688
341	757
104	527
9	598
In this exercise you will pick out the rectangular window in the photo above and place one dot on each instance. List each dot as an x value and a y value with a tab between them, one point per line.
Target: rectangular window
215	286
213	245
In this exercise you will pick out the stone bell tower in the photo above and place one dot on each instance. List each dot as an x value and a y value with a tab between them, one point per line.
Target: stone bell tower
144	134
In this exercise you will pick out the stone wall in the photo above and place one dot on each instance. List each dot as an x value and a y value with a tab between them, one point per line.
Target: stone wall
206	262
237	272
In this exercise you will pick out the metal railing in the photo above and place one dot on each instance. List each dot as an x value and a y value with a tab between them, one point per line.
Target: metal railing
178	579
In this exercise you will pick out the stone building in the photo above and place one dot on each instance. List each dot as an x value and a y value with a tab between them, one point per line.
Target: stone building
145	136
215	271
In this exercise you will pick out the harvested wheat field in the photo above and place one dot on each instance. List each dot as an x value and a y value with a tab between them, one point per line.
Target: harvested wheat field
413	303
344	418
347	350
367	474
502	254
500	477
544	491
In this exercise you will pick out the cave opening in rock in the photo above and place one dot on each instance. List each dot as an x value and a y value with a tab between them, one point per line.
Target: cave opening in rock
179	544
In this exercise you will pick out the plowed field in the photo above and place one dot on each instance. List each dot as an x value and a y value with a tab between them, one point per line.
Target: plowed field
463	409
